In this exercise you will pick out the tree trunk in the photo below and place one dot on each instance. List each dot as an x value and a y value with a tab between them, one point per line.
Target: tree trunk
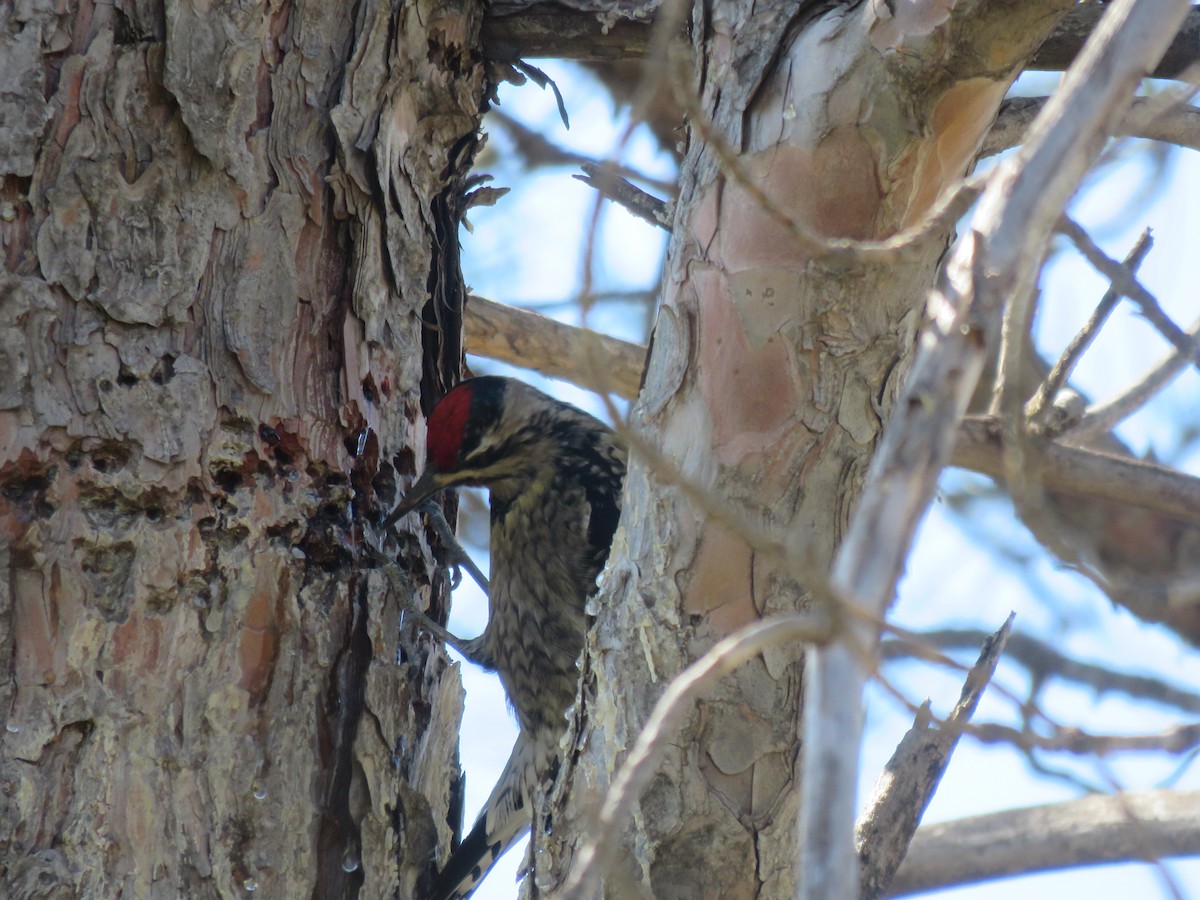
223	229
775	361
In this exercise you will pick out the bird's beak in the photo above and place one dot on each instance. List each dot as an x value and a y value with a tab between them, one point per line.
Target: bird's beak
423	488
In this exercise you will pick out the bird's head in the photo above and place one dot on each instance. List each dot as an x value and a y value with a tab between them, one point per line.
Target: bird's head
475	436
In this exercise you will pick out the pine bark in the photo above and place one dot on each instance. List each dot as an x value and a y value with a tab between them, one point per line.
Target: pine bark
224	228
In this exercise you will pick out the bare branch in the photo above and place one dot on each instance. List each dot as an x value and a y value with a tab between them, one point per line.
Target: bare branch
1179	739
645	206
1179	125
1061	372
1014	221
1103	418
523	338
548	30
1089	473
1043	661
537	150
668	714
1126	828
1129	286
1057	53
907	783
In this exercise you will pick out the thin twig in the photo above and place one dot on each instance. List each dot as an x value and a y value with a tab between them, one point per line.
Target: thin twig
539	151
1103	418
1042	660
664	722
1056	380
1131	288
1179	739
1062	739
637	202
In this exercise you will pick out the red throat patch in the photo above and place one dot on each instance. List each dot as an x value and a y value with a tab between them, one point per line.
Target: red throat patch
447	423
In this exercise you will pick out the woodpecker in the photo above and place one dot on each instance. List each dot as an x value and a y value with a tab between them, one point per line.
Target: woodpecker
554	475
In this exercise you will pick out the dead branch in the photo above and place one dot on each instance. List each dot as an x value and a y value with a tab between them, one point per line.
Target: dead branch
523	338
1103	418
1015	219
1131	288
1076	470
1058	376
609	184
1043	661
1151	825
536	150
904	789
547	30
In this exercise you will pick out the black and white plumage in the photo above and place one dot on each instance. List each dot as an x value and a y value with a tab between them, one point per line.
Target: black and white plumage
555	476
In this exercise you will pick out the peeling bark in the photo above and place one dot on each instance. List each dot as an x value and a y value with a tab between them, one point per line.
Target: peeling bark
222	226
771	373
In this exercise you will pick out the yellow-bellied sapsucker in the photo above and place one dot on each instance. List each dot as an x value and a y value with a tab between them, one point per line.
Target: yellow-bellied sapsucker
555	476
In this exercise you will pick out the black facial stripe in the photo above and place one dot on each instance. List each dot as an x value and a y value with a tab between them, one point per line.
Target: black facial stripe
506	450
487	403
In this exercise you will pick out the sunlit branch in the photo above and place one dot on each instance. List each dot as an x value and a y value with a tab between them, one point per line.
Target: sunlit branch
905	787
1106	829
524	338
995	263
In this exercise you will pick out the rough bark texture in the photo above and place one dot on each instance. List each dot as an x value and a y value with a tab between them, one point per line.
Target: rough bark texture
221	226
770	376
